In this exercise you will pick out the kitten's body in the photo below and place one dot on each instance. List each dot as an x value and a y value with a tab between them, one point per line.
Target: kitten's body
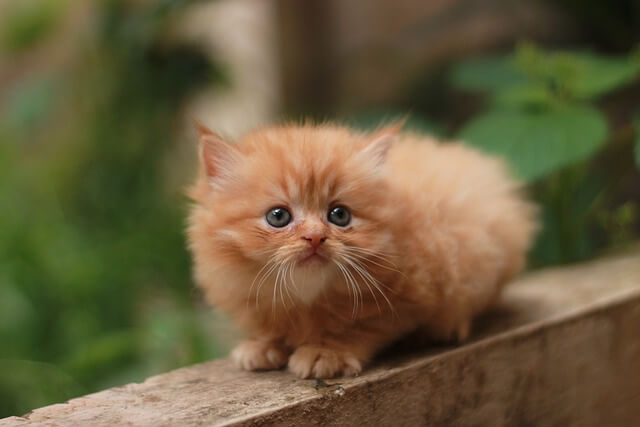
437	229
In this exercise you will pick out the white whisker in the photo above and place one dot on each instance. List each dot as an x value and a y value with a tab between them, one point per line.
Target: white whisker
262	281
367	254
370	279
359	260
286	287
351	287
366	281
275	287
280	285
366	259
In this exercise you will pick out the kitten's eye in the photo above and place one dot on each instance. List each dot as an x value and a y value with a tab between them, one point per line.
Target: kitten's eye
339	215
278	217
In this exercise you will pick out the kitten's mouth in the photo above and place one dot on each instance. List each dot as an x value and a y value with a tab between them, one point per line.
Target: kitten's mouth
314	259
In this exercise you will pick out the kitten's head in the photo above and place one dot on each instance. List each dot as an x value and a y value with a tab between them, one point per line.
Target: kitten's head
309	198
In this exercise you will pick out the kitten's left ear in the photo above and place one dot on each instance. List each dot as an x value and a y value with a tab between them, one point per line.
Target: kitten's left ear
217	156
381	141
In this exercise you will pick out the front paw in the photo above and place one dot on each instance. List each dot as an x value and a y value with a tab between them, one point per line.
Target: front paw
255	355
311	361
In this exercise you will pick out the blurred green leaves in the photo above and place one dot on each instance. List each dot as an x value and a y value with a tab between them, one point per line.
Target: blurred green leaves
28	384
590	76
486	74
17	313
544	118
562	74
539	142
541	119
95	286
26	22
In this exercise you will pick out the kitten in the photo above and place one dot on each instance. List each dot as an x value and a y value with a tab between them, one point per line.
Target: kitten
325	244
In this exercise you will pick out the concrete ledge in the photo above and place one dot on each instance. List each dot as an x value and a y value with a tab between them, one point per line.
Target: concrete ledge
563	349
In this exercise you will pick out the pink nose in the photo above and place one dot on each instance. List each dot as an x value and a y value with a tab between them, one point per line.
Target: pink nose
314	239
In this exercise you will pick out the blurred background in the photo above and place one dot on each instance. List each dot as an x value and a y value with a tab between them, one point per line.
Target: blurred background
96	145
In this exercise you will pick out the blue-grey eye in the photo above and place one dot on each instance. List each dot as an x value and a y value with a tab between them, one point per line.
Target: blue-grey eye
278	217
339	215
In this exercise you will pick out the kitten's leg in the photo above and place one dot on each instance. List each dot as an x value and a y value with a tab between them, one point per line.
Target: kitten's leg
321	361
260	354
345	353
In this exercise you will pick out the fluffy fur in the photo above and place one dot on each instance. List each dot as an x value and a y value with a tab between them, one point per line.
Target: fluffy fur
437	229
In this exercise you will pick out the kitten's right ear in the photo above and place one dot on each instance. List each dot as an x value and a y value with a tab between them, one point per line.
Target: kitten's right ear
217	156
380	142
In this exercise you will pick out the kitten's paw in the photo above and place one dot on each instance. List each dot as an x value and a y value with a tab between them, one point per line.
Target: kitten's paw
255	355
311	361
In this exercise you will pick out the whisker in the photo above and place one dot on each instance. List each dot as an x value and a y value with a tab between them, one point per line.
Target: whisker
357	290
280	284
262	281
367	253
286	287
275	287
358	259
283	284
268	263
367	259
356	286
380	254
366	282
376	283
350	288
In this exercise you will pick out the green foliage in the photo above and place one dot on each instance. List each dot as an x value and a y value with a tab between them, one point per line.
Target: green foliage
541	120
488	74
539	142
95	286
544	120
28	384
574	75
27	22
562	75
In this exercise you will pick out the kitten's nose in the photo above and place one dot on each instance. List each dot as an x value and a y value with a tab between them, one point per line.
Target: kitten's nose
314	239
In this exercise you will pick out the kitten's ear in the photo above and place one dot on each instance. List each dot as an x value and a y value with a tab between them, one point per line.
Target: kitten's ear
381	141
217	156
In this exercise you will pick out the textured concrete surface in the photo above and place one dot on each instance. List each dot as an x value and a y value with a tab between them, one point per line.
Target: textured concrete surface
562	349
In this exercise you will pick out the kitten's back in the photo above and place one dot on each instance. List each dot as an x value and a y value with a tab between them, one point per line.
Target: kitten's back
464	211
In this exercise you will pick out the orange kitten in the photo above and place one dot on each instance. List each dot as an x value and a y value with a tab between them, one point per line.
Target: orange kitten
325	244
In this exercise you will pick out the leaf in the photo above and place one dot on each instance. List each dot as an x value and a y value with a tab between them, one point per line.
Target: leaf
595	75
486	74
578	75
523	95
581	75
537	143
